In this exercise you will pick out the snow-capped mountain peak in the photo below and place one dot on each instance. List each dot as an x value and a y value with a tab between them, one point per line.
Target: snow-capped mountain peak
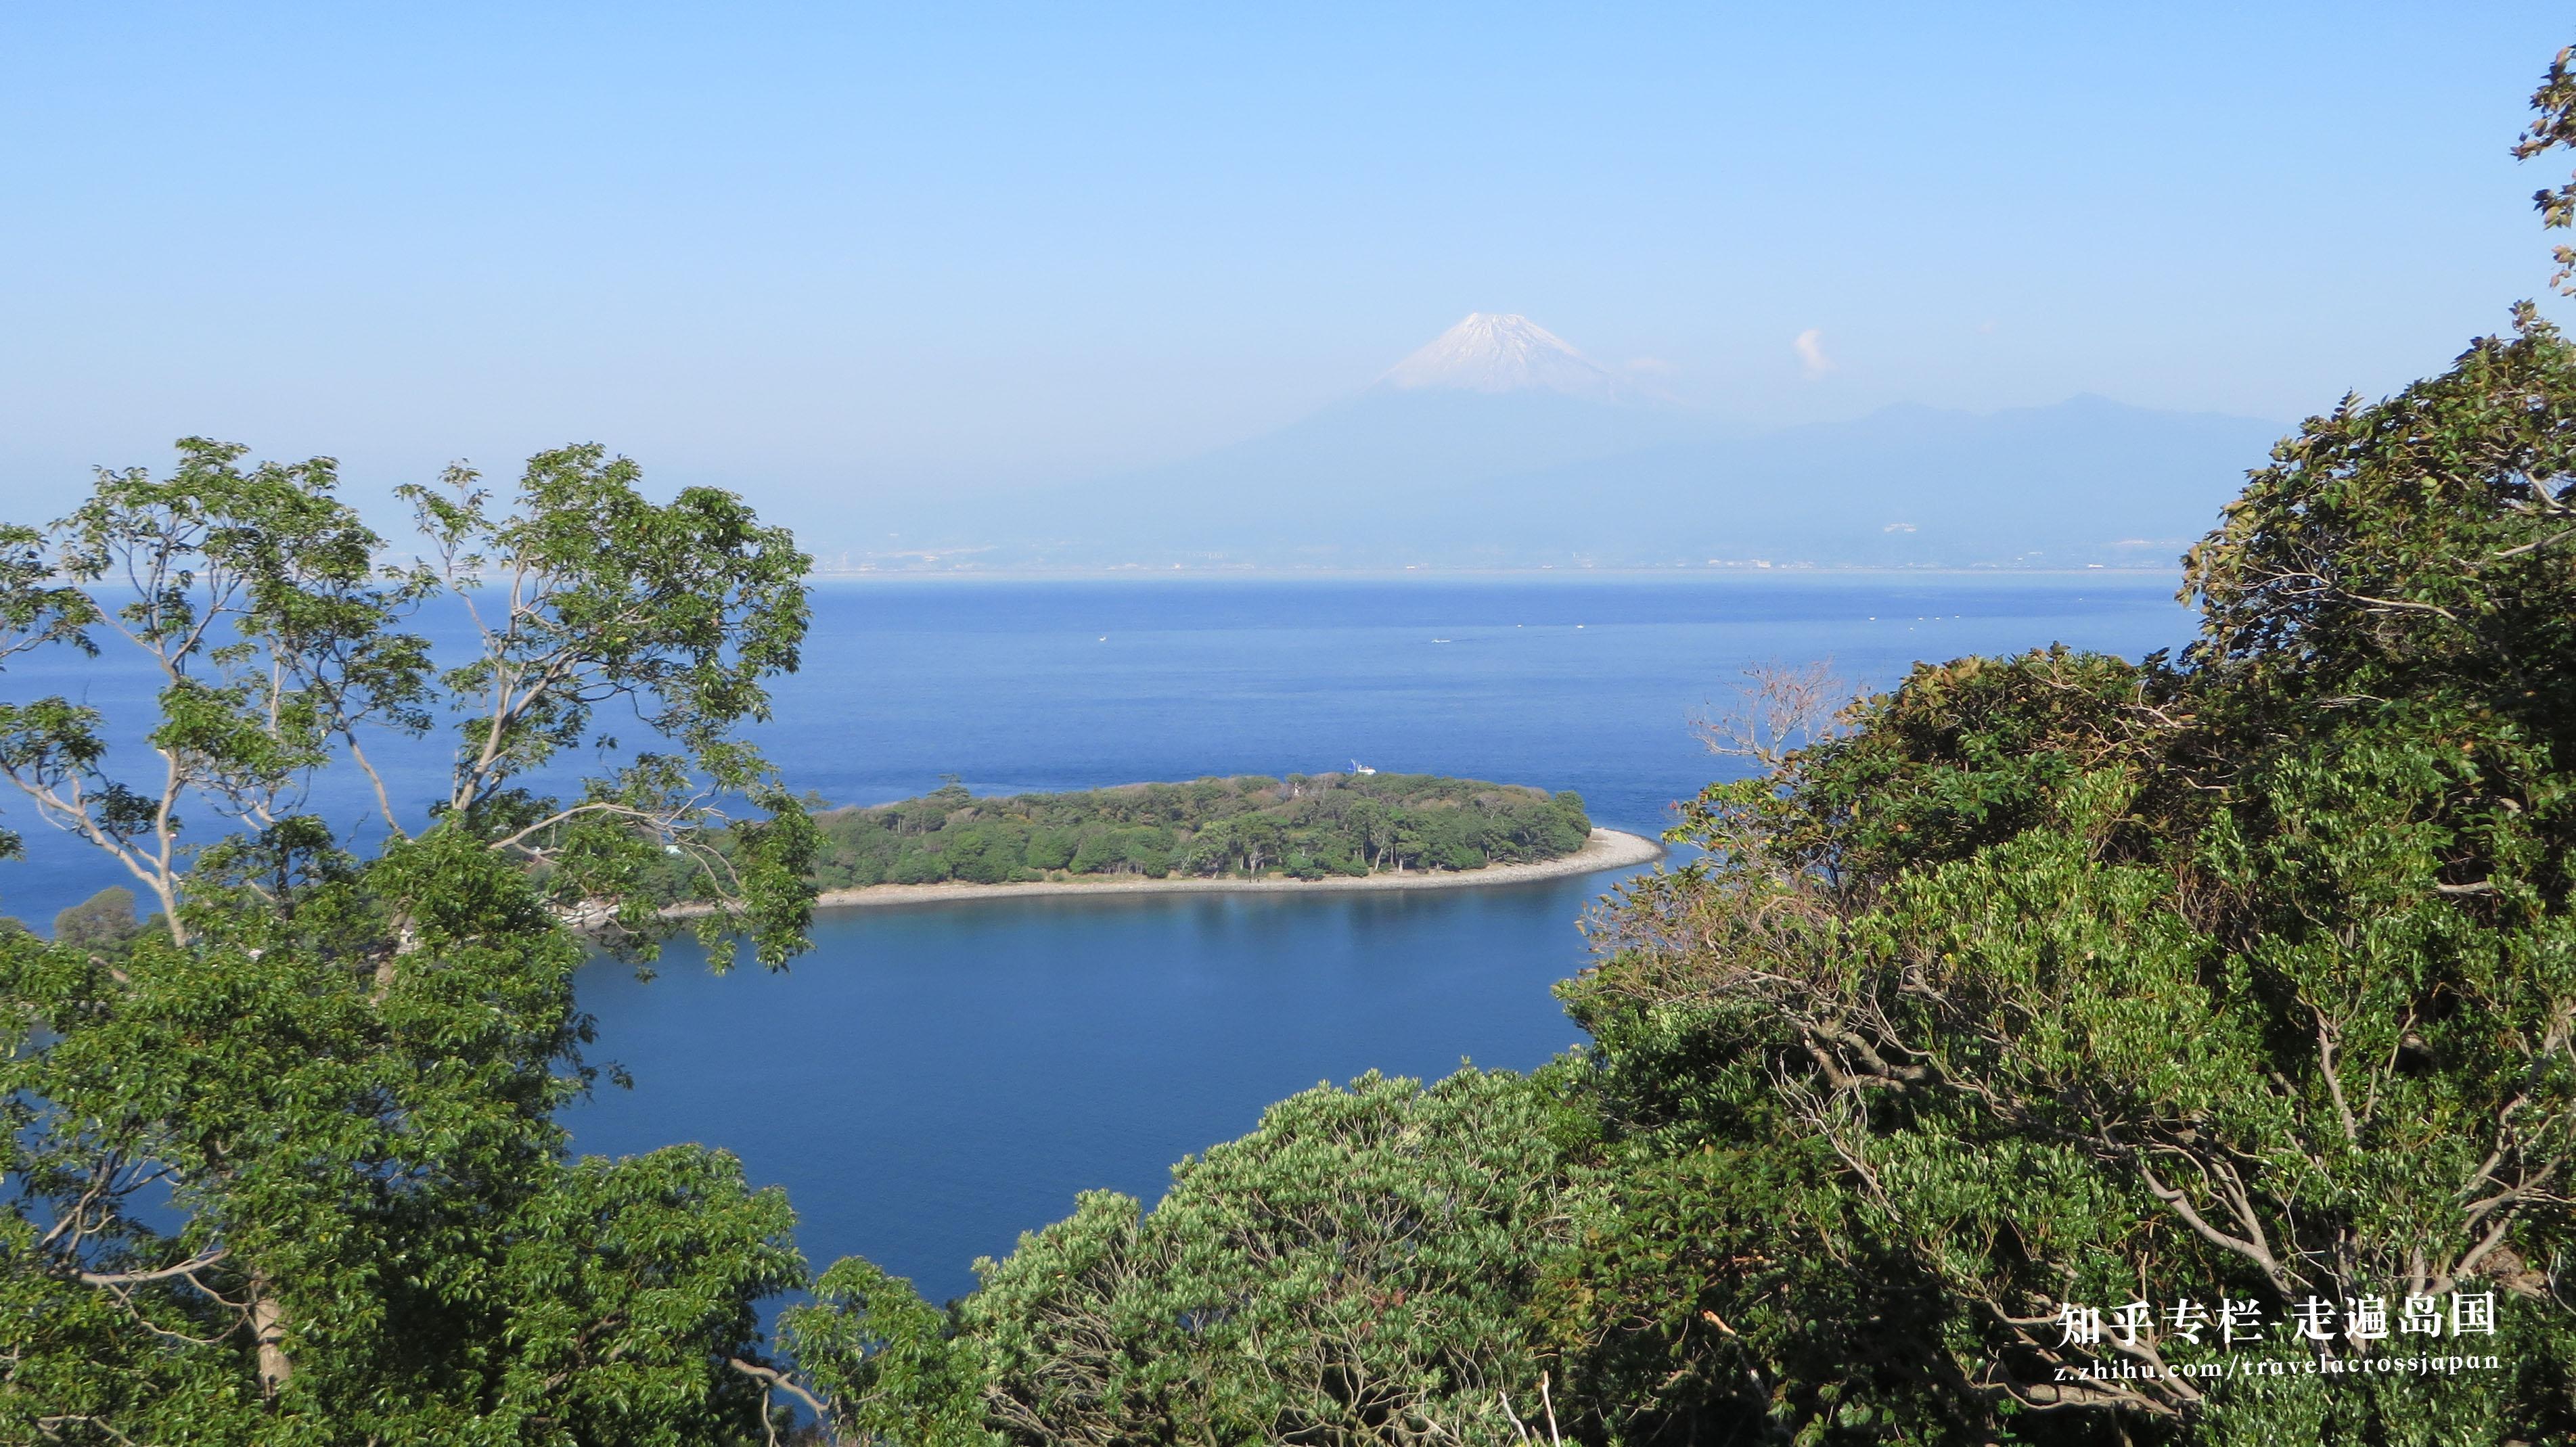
1498	353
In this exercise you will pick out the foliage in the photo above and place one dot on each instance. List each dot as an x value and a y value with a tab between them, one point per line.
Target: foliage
2555	128
284	1168
1306	826
1356	1270
2056	979
884	1365
104	922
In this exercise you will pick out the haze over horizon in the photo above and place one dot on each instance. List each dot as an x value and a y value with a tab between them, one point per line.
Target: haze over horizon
858	262
1500	445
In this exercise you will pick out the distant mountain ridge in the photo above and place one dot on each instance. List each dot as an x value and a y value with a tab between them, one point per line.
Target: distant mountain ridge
1498	445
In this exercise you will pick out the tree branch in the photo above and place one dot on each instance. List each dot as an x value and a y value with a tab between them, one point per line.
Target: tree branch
138	1278
772	1377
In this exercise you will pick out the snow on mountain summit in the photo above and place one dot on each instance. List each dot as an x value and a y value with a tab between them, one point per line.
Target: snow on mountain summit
1494	353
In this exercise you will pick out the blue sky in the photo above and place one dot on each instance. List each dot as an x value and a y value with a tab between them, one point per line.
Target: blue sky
822	253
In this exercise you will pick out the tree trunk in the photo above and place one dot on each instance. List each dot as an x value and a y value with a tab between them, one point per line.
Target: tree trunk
406	940
268	1328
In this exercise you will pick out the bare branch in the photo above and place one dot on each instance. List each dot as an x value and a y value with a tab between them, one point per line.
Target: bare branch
1779	710
188	1267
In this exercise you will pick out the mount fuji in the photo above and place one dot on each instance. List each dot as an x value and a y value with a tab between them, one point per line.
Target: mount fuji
1489	353
1500	445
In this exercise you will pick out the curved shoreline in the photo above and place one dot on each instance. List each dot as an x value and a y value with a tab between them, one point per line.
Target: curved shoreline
1606	849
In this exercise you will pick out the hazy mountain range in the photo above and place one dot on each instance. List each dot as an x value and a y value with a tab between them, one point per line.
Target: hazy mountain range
1498	445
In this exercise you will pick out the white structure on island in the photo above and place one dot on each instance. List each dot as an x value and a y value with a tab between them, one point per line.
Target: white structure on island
1359	768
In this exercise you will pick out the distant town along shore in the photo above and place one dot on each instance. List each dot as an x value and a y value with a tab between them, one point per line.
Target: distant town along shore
1363	829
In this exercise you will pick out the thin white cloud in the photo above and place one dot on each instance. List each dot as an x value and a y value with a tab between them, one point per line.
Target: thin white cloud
1810	347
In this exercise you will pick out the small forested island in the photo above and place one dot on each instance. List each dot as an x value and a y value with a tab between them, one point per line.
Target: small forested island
1308	827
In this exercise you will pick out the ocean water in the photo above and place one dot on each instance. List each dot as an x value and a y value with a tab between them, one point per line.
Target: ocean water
929	1082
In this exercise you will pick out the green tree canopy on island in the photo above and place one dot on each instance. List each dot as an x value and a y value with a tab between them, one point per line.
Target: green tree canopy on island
1306	826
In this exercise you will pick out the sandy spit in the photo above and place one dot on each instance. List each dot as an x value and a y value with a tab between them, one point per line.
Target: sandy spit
1606	849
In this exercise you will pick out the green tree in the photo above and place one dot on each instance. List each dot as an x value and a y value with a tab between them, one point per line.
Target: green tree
1356	1270
2249	974
1364	824
984	853
1149	850
287	1170
1096	850
1050	848
1259	841
104	921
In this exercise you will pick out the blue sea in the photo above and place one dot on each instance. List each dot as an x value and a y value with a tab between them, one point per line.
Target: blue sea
929	1082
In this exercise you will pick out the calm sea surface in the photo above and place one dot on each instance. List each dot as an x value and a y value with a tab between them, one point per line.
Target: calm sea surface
929	1082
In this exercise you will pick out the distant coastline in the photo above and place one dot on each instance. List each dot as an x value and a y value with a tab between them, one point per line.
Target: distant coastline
1606	849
